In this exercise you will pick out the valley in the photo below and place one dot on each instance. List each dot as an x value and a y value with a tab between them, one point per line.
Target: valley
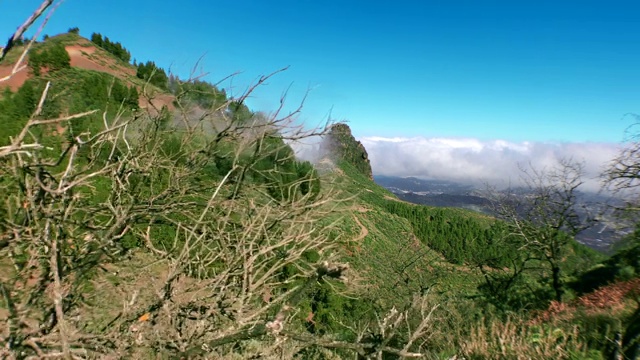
602	236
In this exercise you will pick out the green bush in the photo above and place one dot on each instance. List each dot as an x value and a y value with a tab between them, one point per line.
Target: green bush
151	73
599	331
53	57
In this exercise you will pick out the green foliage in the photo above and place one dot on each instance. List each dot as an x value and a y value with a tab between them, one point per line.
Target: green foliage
457	237
53	58
19	41
340	145
311	182
58	58
239	112
623	265
272	163
506	292
127	96
74	90
114	48
396	267
74	30
16	109
631	337
331	310
153	74
597	330
198	92
96	39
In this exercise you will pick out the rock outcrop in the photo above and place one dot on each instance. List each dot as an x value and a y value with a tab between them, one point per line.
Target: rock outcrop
340	145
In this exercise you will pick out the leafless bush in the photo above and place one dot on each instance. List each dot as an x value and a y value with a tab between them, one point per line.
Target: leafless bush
234	241
623	174
544	218
69	215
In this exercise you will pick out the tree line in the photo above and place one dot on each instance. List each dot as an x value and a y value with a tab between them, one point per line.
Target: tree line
114	48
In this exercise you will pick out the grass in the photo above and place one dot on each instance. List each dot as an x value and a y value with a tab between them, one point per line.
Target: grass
394	265
390	266
393	262
516	339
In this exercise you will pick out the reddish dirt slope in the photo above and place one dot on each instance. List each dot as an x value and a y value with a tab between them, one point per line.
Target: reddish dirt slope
157	102
16	80
86	56
90	58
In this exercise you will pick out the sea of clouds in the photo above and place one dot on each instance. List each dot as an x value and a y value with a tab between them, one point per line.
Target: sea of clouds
495	162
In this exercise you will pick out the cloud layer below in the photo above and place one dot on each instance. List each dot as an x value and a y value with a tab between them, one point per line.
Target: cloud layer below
468	160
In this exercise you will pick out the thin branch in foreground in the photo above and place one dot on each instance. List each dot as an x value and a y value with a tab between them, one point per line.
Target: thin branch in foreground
22	28
20	31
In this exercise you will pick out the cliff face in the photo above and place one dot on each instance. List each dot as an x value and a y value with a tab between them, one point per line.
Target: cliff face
341	145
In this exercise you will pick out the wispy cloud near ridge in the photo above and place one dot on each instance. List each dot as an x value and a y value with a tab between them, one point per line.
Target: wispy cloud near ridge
476	161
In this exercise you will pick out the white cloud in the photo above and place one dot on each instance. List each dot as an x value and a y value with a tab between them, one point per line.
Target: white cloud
474	161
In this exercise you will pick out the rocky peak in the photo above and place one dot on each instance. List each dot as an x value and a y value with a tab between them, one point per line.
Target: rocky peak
341	145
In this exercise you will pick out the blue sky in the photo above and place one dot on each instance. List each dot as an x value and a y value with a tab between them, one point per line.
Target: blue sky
543	71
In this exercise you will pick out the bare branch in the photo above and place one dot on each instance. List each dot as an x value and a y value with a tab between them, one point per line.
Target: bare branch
20	31
22	28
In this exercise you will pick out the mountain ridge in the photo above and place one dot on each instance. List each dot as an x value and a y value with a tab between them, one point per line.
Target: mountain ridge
230	243
86	55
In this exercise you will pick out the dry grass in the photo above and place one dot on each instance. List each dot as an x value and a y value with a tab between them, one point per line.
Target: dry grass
515	339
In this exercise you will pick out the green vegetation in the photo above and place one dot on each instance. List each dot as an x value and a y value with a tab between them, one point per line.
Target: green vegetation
622	266
197	92
114	48
459	236
149	72
127	233
53	58
341	146
73	90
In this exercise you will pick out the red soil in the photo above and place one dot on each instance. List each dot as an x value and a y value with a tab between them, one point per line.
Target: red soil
611	298
15	81
81	57
91	58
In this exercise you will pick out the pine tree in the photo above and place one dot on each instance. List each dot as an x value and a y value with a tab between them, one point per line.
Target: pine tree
96	38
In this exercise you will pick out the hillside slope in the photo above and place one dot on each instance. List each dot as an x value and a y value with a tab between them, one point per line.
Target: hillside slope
126	235
86	55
